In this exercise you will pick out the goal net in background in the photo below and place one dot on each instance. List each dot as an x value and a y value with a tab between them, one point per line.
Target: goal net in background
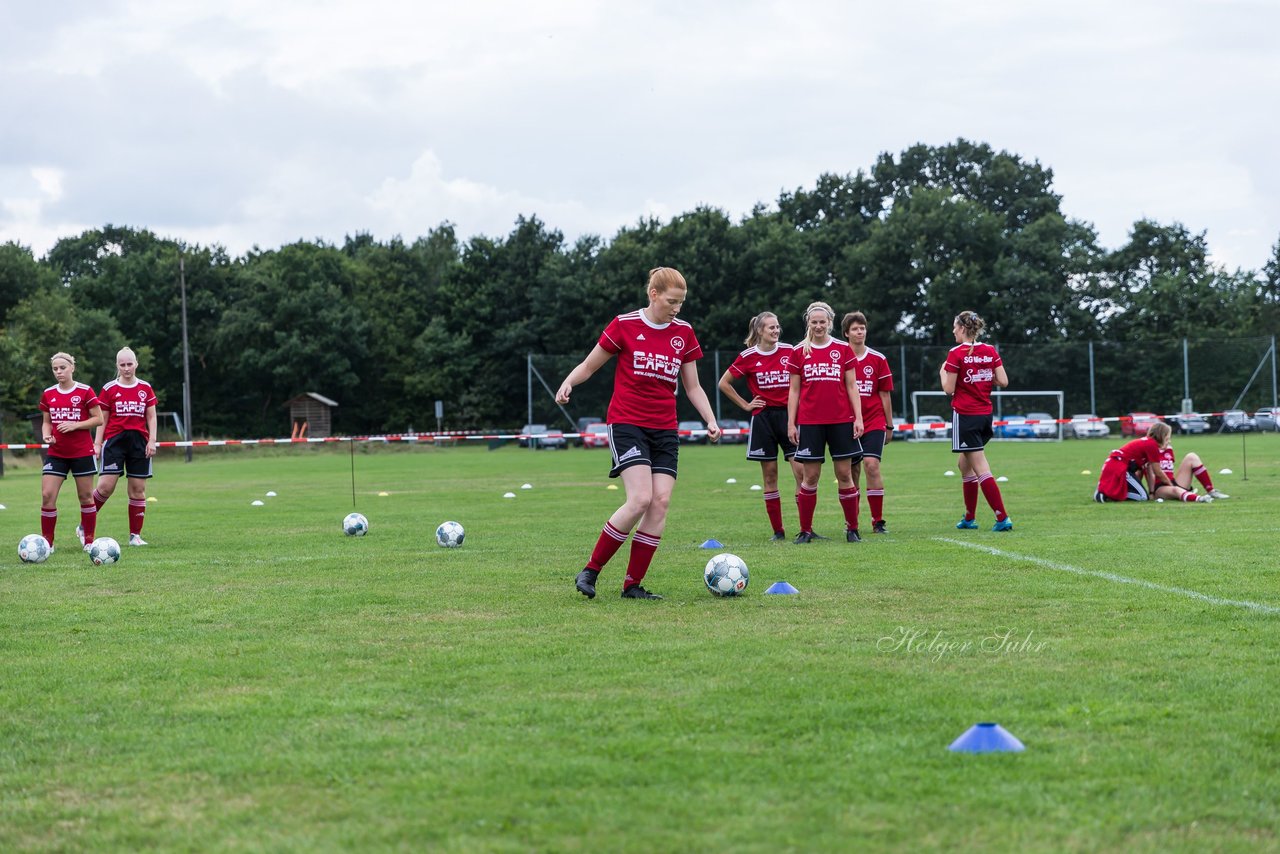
1042	406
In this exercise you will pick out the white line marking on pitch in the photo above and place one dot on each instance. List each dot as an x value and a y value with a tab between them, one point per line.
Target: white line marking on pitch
1119	579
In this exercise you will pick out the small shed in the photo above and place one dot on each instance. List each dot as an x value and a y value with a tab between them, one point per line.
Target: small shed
310	414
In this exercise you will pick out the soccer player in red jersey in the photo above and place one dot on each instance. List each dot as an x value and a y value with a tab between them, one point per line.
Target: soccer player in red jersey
968	375
1180	474
764	364
69	411
875	382
655	349
822	403
127	442
1127	469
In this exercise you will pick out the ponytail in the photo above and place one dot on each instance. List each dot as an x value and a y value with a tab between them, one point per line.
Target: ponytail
756	328
814	306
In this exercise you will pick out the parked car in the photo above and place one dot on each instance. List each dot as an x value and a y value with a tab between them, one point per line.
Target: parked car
1189	423
932	427
1046	426
595	435
688	432
584	425
1014	427
727	438
900	430
1237	421
1137	423
539	436
1087	426
1267	418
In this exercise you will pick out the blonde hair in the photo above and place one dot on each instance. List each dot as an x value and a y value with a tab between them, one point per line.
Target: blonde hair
971	325
756	327
815	306
1160	432
64	356
120	353
662	278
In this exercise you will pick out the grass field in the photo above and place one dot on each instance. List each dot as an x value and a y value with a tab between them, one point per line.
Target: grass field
254	680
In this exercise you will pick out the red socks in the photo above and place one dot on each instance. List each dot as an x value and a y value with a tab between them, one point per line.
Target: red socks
991	492
970	484
611	539
642	548
849	504
806	503
48	522
89	520
875	502
1202	475
773	506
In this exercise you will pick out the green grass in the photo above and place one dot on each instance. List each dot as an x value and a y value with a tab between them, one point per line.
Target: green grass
256	680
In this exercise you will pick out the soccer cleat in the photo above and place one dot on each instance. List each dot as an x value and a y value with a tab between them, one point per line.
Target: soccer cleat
1218	494
635	591
51	548
1100	498
807	537
1200	499
136	540
80	534
879	528
1005	524
88	547
967	524
778	536
586	582
851	536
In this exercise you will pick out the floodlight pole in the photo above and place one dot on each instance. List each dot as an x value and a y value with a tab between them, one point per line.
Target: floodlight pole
186	356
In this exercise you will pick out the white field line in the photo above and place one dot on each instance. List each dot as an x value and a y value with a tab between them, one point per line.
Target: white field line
1119	579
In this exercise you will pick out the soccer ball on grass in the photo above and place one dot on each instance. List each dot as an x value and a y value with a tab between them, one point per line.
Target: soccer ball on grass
355	525
33	548
103	551
726	575
450	535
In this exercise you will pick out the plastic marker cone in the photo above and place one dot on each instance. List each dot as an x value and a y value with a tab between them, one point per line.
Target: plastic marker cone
612	486
383	494
526	486
257	502
271	494
508	495
712	544
755	487
1086	471
781	588
1	506
1002	479
986	738
732	480
1225	471
949	473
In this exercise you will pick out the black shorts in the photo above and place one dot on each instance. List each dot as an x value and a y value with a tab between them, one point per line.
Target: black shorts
872	443
126	453
969	432
74	466
641	446
815	439
768	434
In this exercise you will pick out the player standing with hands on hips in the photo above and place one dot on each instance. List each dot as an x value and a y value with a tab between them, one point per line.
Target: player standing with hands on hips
655	349
127	442
69	411
970	371
764	364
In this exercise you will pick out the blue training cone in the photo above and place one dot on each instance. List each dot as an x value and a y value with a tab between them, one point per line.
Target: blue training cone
781	587
712	544
987	738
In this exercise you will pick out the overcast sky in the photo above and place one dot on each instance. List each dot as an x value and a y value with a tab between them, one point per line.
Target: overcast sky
248	123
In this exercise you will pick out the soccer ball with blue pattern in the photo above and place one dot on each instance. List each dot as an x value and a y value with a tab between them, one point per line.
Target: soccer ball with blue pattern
355	525
103	551
726	575
450	535
33	548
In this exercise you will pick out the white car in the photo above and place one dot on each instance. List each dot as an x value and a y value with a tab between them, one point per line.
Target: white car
940	429
1046	426
1087	426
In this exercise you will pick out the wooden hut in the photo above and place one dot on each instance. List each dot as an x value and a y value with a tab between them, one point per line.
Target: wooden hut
310	415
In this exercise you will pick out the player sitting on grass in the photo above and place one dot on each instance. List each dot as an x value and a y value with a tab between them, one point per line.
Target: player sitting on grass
1127	467
1182	473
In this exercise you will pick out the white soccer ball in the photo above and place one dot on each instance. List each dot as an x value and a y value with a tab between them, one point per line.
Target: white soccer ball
33	548
104	550
450	535
355	525
726	575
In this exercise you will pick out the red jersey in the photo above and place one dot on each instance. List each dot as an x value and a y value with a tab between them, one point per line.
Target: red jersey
1167	462
649	359
823	399
976	375
72	406
873	376
1139	452
126	407
766	373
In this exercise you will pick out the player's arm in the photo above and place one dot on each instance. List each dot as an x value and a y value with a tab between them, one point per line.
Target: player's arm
46	427
151	431
726	388
948	379
886	403
1001	378
698	397
595	361
95	419
793	406
855	400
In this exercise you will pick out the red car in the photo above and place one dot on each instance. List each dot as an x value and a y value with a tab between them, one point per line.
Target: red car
595	435
1138	423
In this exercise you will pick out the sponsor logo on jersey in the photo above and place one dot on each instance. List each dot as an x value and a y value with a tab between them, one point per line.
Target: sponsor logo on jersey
818	370
677	343
658	365
867	371
786	361
634	452
75	400
835	354
982	375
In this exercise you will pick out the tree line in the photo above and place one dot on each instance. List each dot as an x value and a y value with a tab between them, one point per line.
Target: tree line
387	328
